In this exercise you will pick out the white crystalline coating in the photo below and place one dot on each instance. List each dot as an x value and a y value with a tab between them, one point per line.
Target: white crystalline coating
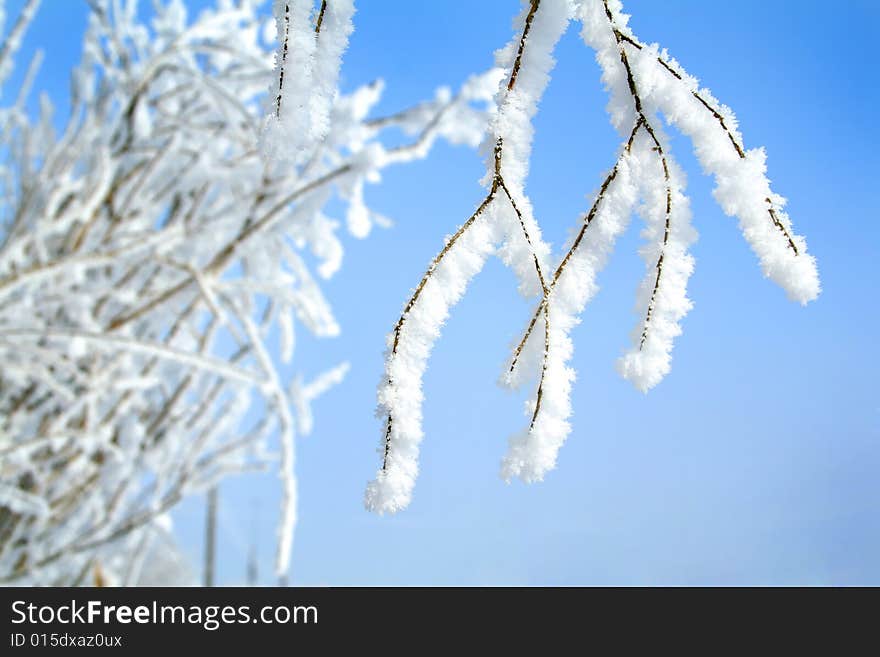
648	361
400	393
288	127
597	34
155	268
642	82
513	126
742	187
496	227
532	452
306	73
742	190
336	27
517	106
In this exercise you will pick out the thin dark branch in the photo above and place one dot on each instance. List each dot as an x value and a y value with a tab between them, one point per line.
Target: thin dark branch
522	44
283	59
320	20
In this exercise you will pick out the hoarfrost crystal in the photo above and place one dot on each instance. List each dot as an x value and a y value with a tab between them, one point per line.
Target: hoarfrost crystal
643	82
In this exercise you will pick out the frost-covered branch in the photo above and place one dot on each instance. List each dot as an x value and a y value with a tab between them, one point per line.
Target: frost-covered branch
508	225
643	82
158	254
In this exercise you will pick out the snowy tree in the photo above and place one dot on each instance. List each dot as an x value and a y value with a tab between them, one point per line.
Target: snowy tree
159	253
644	82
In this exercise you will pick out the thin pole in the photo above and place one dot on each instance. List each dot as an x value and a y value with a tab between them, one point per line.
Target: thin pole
210	537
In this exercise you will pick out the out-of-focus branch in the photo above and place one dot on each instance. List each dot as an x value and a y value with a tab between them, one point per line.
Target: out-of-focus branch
145	255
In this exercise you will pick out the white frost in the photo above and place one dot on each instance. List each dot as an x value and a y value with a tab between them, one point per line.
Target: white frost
643	82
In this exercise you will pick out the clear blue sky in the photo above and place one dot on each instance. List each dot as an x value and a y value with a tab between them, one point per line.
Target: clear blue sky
755	462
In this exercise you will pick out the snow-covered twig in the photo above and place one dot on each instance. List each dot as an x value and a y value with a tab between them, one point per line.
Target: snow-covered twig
150	252
643	82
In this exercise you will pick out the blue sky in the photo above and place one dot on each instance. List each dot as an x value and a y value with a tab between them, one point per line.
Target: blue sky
754	462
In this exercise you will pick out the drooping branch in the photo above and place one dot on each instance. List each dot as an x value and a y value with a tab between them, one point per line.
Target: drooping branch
450	244
716	114
663	294
658	148
642	121
498	183
507	229
585	224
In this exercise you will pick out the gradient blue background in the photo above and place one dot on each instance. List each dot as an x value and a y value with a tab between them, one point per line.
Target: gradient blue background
755	462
